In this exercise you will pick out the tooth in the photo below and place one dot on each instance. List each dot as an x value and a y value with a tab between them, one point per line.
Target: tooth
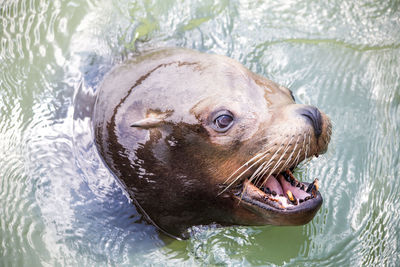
273	193
312	186
316	183
309	188
278	202
290	195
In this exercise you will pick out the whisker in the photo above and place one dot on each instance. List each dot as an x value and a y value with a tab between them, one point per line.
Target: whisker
297	159
243	172
307	160
263	171
257	171
289	157
279	161
298	153
244	165
307	145
269	147
249	161
277	164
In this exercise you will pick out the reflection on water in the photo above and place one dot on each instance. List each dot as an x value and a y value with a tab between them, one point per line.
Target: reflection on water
60	205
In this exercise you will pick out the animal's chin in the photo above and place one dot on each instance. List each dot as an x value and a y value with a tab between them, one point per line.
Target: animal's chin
281	199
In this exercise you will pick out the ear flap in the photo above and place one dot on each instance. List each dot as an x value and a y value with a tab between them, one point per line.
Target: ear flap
149	122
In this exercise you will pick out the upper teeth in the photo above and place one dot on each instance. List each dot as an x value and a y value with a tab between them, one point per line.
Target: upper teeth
290	195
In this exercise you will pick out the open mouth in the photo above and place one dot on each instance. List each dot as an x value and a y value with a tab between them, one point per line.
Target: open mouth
292	202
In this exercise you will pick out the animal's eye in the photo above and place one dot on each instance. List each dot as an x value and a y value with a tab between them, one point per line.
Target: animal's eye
223	122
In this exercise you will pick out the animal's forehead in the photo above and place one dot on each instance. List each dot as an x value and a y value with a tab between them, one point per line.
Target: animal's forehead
191	85
197	80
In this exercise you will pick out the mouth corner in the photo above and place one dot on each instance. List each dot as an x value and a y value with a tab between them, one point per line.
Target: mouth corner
281	199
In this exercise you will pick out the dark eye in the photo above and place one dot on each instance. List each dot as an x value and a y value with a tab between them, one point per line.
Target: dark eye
223	122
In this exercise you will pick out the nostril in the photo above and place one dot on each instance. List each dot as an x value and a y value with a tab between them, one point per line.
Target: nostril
314	117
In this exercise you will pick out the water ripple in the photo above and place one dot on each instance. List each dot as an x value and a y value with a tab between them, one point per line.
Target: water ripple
62	206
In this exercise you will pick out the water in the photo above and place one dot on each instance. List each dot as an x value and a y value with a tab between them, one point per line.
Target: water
59	205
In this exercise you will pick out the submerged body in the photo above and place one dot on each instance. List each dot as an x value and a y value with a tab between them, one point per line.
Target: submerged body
198	139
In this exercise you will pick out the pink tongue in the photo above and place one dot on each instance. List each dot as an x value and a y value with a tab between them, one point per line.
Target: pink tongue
297	192
273	185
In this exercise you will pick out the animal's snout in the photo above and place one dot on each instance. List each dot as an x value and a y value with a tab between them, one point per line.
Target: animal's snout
313	117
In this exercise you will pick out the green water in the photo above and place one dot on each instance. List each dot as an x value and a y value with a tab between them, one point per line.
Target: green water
60	206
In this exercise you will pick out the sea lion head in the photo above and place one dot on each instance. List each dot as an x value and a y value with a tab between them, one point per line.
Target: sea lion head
198	139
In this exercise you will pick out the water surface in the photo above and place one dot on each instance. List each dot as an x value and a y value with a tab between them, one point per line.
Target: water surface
59	204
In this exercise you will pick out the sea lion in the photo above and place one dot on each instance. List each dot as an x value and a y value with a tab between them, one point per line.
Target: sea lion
197	139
